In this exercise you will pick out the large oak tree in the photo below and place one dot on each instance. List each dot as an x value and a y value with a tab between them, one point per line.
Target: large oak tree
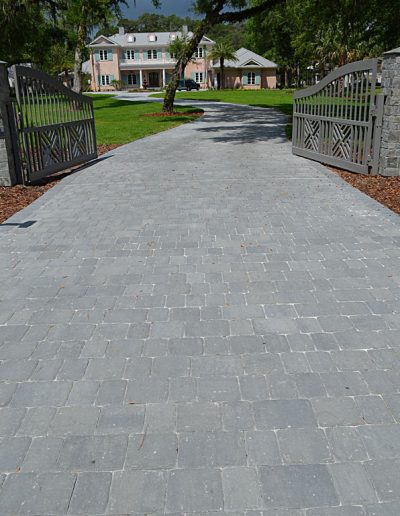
212	12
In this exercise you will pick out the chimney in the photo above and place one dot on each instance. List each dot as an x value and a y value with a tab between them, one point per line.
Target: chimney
121	31
185	29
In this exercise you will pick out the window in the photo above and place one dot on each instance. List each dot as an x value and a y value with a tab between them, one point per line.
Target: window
105	80
198	76
152	54
198	52
132	79
103	55
152	37
172	55
130	54
251	78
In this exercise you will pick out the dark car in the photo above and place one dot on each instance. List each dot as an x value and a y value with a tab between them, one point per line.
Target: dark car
188	85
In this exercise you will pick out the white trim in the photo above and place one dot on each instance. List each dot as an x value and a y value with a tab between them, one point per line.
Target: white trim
199	77
132	80
103	54
199	53
103	37
151	52
253	62
251	78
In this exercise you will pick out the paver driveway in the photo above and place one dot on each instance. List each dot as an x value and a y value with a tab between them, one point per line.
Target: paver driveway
201	323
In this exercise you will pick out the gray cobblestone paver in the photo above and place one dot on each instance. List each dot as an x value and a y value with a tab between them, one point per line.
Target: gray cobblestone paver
201	324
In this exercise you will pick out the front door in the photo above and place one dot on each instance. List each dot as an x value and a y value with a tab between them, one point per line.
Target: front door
154	79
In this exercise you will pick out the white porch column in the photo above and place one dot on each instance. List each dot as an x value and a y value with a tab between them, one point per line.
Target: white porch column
140	78
163	77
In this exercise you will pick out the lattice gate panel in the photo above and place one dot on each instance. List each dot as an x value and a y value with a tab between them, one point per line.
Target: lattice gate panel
335	121
55	125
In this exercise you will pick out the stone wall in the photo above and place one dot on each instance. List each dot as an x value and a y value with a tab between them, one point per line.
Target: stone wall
390	143
7	167
4	173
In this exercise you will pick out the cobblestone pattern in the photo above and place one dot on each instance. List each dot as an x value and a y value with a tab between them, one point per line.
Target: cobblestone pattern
199	324
390	148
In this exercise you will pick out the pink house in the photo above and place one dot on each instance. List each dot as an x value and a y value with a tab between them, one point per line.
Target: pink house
250	71
143	60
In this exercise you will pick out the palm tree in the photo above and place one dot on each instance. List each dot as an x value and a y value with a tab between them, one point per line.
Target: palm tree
222	51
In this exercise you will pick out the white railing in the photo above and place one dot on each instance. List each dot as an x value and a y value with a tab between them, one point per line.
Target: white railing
146	61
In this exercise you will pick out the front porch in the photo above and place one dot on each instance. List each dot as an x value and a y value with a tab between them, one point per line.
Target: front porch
145	78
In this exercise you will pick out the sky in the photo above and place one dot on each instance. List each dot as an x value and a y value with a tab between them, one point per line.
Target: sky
178	7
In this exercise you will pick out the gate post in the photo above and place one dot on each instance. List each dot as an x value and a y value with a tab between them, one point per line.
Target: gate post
8	173
389	157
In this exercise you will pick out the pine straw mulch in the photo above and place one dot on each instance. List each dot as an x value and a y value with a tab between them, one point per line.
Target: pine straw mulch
385	190
175	113
15	198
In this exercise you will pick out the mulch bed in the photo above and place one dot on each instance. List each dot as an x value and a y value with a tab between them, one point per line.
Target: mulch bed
385	190
15	198
175	113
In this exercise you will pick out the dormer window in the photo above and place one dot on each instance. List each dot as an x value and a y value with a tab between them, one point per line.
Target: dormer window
152	37
131	38
172	37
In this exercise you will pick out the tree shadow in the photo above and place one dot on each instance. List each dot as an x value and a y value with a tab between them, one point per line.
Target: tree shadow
241	125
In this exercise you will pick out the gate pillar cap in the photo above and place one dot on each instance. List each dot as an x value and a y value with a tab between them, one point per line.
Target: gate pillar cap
393	51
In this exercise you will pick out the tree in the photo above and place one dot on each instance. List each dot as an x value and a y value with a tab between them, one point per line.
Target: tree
234	33
213	12
27	30
148	22
178	49
222	51
304	34
83	16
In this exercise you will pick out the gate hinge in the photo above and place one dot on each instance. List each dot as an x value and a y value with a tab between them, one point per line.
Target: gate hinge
372	111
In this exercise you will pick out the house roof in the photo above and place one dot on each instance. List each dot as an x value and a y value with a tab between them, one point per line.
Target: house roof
247	58
141	39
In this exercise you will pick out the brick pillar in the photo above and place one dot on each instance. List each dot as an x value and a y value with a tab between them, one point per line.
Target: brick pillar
8	175
389	157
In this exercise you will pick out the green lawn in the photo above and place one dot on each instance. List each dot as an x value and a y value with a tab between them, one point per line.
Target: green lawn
277	99
123	121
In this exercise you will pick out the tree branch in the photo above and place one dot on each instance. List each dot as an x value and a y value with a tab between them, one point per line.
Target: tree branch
236	16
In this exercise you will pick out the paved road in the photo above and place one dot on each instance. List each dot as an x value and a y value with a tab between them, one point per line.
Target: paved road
201	323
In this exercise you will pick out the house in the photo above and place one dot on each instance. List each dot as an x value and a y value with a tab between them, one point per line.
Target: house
143	60
67	76
250	71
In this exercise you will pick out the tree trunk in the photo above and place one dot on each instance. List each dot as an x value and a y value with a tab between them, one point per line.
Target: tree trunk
170	91
66	77
79	49
93	88
180	66
221	63
286	78
78	70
